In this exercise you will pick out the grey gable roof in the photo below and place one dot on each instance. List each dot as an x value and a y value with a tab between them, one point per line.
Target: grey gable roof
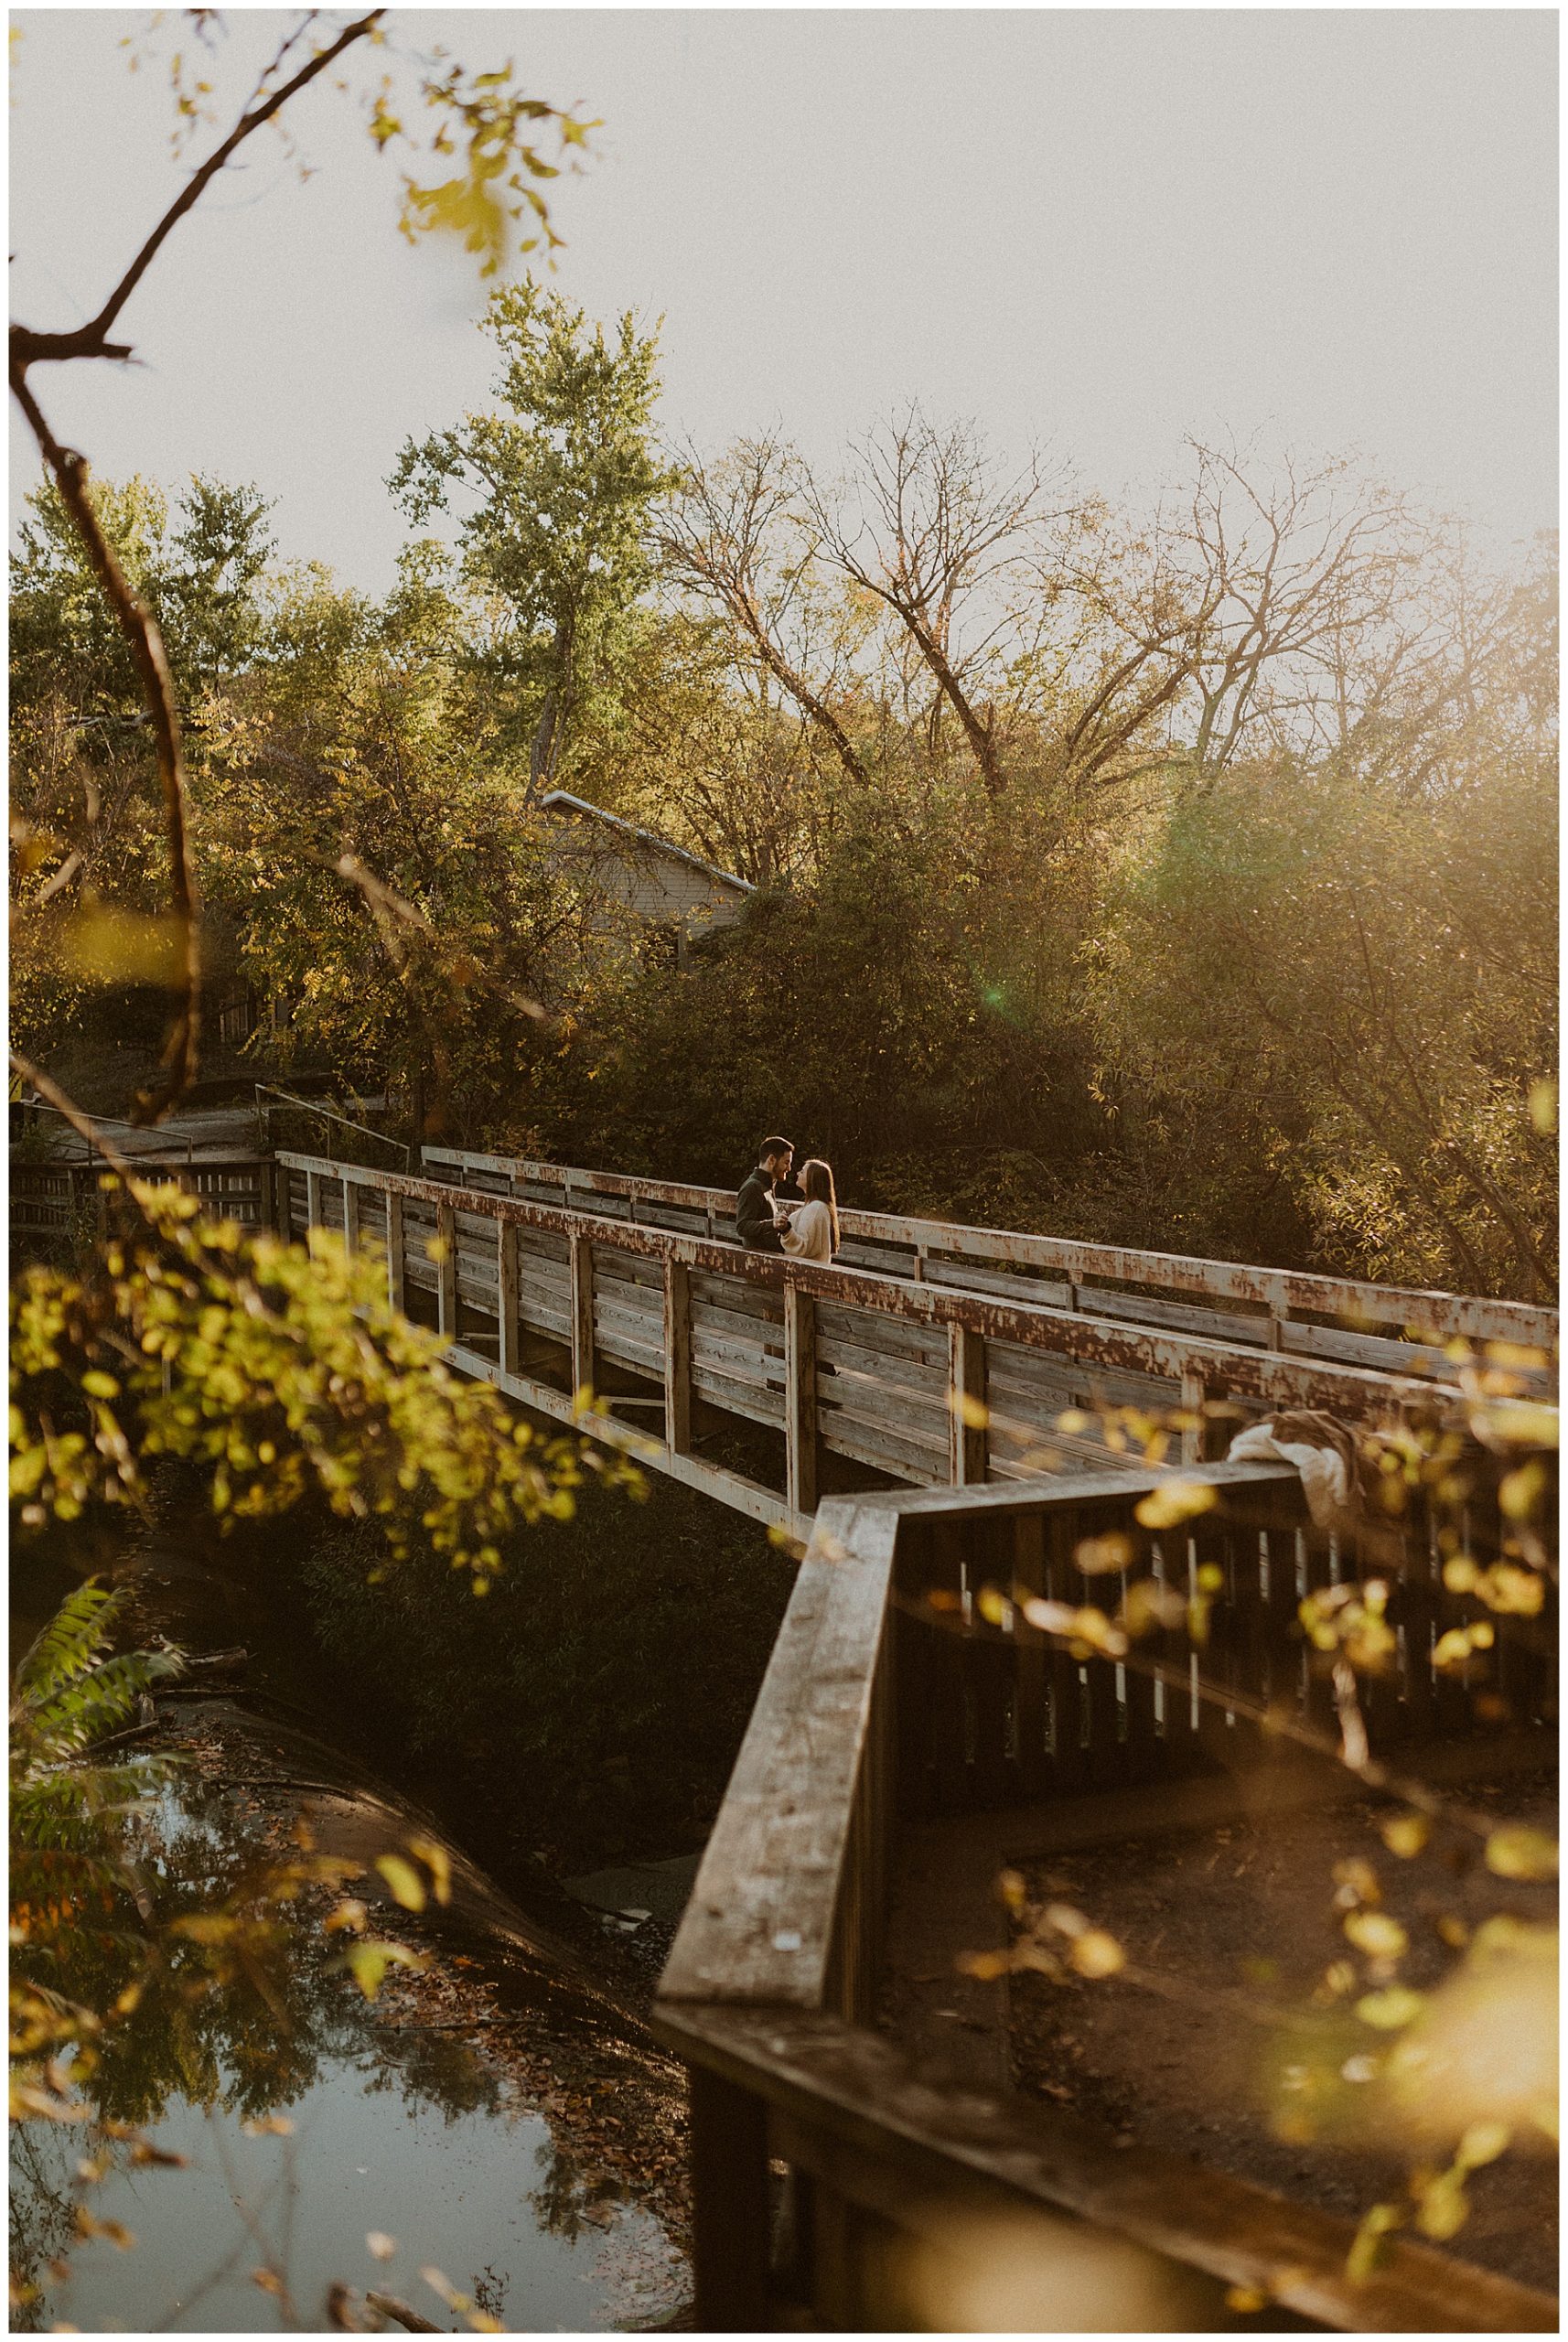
562	801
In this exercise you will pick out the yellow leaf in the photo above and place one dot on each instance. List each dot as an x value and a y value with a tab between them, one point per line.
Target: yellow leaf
434	1856
1517	1852
1095	1954
1518	1491
1376	1934
405	1881
1367	2247
368	1962
1389	2010
1444	2208
1097	1556
1406	1834
1174	1501
1482	2142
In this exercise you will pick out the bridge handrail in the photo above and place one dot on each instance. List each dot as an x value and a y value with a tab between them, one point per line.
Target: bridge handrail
1432	1315
1195	1361
771	1988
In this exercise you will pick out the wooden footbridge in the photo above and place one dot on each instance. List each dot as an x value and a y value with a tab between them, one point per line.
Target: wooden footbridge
955	1421
929	1355
937	1415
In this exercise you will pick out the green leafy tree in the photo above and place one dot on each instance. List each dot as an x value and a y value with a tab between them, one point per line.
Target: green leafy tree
554	494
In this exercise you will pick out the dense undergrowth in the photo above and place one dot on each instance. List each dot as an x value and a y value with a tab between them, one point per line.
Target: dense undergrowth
592	1703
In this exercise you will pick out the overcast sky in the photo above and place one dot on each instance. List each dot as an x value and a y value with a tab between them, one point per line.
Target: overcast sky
1096	228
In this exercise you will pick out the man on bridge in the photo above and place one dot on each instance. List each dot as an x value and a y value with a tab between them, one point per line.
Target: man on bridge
754	1203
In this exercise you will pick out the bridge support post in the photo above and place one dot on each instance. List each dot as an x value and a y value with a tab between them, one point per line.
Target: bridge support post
505	1296
446	1272
677	1357
313	1213
966	1403
351	1215
800	1400
394	1252
582	1260
1205	1442
729	2205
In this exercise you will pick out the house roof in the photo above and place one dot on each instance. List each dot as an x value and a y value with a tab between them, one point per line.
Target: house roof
562	801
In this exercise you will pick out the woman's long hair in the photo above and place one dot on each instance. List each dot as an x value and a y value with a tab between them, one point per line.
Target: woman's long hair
817	1180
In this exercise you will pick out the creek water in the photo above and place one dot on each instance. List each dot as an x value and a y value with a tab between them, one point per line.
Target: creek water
497	2117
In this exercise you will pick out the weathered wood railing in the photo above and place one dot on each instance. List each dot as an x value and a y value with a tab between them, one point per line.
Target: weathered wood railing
875	1706
1401	1329
842	1367
52	1199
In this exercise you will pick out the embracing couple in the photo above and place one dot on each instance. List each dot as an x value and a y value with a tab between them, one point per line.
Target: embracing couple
772	1214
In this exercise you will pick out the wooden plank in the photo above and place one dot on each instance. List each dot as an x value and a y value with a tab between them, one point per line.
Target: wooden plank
542	1245
916	2152
506	1295
759	1923
951	1722
747	1398
639	1358
643	1295
880	1335
883	1450
717	1297
611	1319
582	1312
677	1356
921	1416
447	1271
971	1279
966	1405
1185	1317
1194	1440
395	1253
889	1367
800	1400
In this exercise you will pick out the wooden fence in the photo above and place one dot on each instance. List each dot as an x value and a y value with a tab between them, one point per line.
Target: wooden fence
877	1706
1400	1329
53	1201
831	1369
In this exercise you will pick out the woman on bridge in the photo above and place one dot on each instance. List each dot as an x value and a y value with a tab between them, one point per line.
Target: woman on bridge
810	1231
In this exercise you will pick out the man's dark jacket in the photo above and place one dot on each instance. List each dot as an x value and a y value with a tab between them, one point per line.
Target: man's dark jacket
753	1214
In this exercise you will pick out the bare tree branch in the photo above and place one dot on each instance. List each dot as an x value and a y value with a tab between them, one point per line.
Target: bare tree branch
140	628
91	340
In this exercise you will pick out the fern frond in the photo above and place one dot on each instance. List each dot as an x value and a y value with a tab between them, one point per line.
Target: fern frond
98	1701
68	1646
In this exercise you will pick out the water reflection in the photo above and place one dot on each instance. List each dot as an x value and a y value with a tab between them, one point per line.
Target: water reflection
307	2118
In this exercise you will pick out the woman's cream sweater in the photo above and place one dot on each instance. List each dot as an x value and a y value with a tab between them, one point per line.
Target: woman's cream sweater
810	1234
